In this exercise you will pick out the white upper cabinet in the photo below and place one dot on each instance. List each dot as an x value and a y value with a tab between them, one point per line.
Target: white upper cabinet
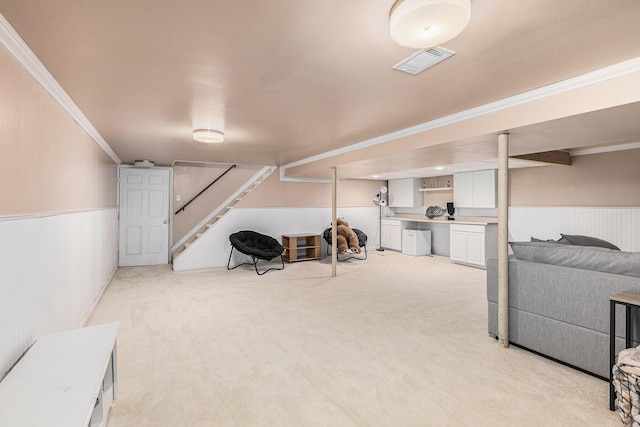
475	189
484	189
405	193
463	189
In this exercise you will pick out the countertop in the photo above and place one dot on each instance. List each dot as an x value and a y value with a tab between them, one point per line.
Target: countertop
473	220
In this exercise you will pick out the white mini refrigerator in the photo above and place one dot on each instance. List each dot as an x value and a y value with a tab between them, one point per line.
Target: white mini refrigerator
416	242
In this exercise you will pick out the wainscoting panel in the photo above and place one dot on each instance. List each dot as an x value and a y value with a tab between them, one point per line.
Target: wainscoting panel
54	268
620	226
212	249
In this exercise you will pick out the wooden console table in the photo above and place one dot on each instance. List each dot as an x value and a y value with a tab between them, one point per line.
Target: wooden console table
629	299
301	247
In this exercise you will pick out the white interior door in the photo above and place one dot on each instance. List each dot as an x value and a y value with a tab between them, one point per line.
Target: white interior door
144	216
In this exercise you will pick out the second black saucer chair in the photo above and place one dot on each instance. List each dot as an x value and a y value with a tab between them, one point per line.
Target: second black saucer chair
362	242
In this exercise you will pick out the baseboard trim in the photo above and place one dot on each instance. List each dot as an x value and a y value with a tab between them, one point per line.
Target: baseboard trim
86	317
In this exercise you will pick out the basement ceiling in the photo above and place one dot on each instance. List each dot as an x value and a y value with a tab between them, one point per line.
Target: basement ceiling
286	80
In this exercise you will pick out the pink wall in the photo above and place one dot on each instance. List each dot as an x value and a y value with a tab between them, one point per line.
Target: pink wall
598	180
48	163
54	266
189	181
605	179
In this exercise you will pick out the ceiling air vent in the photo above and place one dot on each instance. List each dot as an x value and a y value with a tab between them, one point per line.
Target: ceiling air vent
424	59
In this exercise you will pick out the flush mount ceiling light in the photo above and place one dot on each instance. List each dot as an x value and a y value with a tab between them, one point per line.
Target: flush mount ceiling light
420	24
209	136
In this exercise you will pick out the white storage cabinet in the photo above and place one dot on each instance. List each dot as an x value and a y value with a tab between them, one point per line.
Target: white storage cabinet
391	234
416	242
405	193
467	244
475	189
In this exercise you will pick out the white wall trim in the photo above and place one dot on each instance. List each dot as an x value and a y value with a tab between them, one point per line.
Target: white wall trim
48	214
285	178
608	149
86	317
23	54
588	79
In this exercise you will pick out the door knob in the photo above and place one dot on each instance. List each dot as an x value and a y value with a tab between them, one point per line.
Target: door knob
164	222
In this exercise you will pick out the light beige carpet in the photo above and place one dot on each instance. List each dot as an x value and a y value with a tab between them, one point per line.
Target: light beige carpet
392	341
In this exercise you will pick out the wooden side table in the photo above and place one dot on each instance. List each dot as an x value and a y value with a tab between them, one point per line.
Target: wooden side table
301	247
629	299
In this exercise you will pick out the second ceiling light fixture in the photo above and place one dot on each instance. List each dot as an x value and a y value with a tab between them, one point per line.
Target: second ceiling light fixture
420	24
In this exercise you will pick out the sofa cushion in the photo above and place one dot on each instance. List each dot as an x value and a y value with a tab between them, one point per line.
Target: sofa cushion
588	241
562	240
584	257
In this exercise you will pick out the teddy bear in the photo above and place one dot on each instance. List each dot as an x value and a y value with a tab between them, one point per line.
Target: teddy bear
347	238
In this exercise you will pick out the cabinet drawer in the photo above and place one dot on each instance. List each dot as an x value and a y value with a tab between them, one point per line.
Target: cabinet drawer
467	228
390	222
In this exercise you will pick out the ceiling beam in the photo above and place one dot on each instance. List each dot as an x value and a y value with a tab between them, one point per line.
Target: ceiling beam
556	157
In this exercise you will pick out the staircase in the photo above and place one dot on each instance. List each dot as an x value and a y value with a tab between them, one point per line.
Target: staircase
222	210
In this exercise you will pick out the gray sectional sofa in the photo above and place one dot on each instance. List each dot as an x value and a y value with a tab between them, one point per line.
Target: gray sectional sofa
559	301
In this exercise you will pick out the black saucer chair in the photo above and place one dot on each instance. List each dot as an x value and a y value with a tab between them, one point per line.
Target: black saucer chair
362	242
257	246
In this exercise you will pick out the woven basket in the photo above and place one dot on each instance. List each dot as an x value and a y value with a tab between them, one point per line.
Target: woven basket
627	387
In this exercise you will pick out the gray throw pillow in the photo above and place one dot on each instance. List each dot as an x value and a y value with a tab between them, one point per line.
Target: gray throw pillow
562	241
589	241
583	257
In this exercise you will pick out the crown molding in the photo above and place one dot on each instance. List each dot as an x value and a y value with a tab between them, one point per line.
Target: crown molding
607	149
285	178
588	79
10	39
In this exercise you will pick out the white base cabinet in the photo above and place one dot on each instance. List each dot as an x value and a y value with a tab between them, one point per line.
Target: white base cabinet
391	235
468	244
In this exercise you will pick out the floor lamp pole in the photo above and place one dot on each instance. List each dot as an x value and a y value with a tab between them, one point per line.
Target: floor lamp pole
380	248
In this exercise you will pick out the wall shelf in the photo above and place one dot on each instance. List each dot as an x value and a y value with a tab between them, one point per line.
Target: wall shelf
437	184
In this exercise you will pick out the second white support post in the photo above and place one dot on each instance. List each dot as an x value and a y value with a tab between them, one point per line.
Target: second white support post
503	239
334	218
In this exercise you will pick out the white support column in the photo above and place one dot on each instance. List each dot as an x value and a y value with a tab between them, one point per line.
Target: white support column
503	239
334	218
